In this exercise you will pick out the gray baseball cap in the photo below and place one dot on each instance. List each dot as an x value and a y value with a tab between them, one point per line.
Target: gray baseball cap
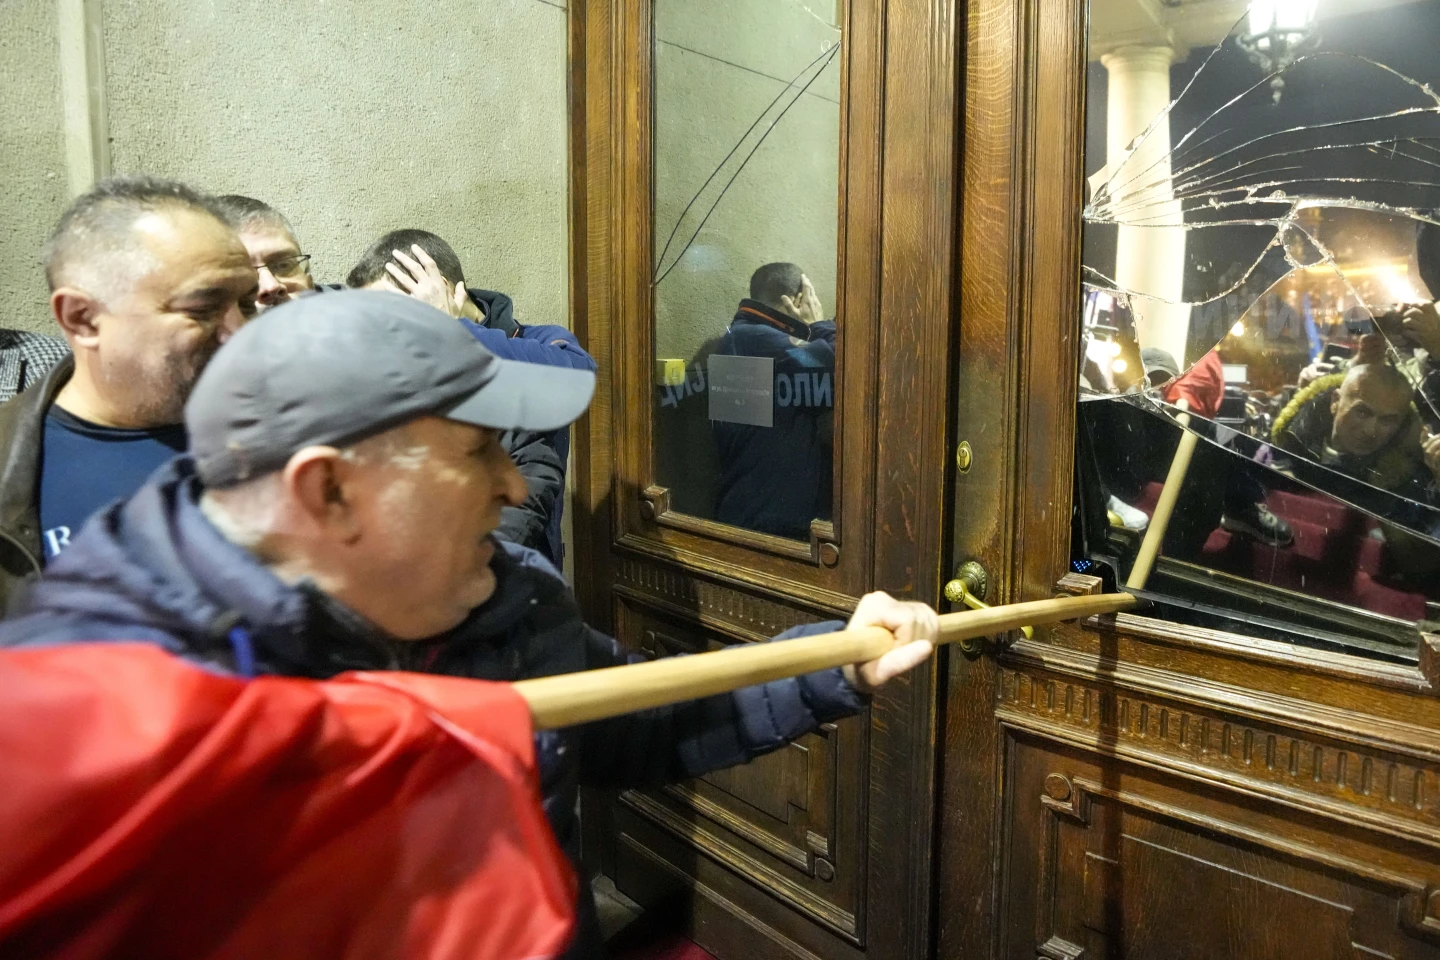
334	368
1157	361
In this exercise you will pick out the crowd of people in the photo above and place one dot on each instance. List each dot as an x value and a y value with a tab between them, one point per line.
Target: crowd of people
263	476
1366	408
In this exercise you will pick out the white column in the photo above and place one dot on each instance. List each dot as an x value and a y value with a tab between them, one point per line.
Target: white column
82	77
1150	246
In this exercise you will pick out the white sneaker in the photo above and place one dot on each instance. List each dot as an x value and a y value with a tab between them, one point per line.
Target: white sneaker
1130	518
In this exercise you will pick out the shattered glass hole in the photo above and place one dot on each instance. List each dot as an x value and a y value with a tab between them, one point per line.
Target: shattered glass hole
1261	239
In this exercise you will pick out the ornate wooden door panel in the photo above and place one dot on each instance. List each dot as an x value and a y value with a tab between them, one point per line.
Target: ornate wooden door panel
1247	767
822	849
1133	865
784	820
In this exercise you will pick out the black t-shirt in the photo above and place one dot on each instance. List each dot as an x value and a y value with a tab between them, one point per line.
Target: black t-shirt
84	466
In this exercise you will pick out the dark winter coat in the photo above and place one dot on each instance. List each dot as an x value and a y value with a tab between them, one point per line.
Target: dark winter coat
777	479
154	569
541	457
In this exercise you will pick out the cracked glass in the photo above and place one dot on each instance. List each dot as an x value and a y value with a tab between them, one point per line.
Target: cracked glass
746	166
1260	265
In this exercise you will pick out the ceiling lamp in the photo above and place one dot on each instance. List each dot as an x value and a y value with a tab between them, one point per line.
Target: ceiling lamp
1280	30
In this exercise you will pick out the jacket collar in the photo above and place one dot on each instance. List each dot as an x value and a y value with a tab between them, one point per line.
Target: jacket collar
753	311
499	310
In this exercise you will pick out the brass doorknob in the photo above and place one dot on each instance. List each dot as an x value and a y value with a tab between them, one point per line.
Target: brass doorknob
969	587
972	582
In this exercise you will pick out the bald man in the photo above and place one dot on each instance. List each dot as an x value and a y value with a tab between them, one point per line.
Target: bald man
146	282
1362	423
1368	410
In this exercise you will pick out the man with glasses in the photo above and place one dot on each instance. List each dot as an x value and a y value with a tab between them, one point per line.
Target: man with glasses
147	280
274	252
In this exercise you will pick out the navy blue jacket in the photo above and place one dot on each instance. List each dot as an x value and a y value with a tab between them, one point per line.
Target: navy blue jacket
777	479
540	457
154	569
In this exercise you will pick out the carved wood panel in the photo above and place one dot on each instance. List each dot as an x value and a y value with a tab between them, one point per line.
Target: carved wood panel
1112	861
753	852
788	820
1295	764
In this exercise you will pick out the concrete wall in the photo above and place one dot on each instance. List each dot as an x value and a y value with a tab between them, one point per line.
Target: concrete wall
33	184
354	117
718	64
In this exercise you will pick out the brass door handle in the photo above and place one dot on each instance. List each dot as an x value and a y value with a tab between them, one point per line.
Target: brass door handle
970	585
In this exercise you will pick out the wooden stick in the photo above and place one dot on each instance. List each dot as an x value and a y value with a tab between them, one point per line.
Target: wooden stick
1174	480
590	695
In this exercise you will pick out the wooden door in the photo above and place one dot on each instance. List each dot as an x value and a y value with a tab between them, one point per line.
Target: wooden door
824	848
1244	769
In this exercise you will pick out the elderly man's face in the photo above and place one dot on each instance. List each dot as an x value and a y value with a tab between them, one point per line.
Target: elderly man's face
1368	412
425	526
275	254
154	339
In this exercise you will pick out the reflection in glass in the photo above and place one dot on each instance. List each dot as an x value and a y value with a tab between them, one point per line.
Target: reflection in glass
746	162
1251	548
1262	242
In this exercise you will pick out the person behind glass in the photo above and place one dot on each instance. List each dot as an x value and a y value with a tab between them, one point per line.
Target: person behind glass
1362	422
1243	507
274	252
336	513
777	479
422	265
146	282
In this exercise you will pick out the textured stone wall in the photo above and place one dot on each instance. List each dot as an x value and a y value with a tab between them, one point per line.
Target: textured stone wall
718	64
355	117
33	184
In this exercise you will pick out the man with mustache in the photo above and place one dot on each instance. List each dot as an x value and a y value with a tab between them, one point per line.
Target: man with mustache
146	282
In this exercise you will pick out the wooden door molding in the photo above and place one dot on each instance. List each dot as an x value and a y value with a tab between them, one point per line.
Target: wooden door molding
1230	730
1352	769
857	883
1014	399
1134	859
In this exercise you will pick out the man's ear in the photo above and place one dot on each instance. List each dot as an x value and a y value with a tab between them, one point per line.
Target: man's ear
76	311
317	479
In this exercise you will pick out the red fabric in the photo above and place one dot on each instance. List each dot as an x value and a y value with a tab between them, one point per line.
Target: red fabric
1202	386
152	809
652	938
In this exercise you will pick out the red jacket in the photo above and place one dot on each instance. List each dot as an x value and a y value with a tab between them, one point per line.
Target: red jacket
1202	386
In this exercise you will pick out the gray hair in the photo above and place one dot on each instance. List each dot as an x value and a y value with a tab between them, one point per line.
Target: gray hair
249	512
247	213
245	514
94	246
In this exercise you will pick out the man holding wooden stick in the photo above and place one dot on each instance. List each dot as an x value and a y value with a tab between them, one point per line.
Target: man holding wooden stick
335	514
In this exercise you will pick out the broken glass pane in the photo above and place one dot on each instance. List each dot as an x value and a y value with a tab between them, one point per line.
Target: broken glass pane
1255	549
1261	240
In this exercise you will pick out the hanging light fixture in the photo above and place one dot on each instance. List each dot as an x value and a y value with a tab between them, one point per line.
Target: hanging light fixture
1279	31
